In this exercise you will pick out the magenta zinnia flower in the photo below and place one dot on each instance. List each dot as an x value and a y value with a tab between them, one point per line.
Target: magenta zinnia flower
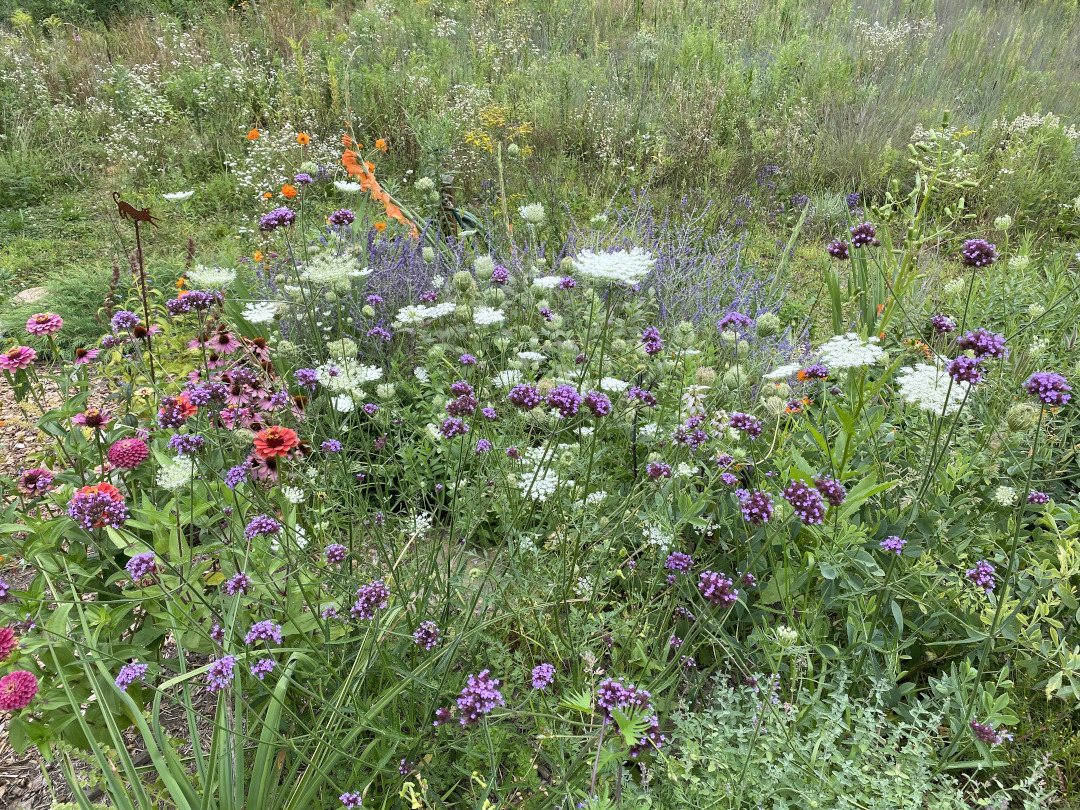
44	323
17	359
127	454
17	689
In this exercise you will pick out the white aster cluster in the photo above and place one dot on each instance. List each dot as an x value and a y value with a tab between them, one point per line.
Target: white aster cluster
203	277
929	387
850	351
626	267
416	314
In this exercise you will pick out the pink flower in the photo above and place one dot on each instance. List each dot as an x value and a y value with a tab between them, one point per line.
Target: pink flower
85	356
17	359
44	323
8	643
17	690
92	418
128	453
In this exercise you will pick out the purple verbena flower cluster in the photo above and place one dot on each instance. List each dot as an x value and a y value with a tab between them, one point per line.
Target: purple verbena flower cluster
371	597
479	697
806	502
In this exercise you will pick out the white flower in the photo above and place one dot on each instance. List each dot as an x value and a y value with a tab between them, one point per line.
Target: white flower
1004	496
178	195
783	372
175	475
346	187
214	277
419	523
621	266
613	385
533	213
927	386
648	431
547	282
293	494
656	534
541	485
486	316
684	470
332	268
584	587
433	432
1003	223
786	637
416	314
421	374
1039	345
343	403
261	312
850	351
1019	263
385	391
506	379
531	357
346	376
955	286
526	545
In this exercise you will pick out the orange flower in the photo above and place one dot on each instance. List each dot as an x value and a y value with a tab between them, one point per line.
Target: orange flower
380	226
303	139
380	145
258	255
187	408
275	441
288	191
181	283
253	134
268	195
346	141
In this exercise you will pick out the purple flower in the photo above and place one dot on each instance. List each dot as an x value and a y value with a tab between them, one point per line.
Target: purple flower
217	634
263	667
658	469
982	575
500	275
263	631
427	635
237	475
598	403
479	697
978	253
1038	498
330	446
564	399
615	694
815	372
467	360
831	489
642	395
543	675
746	423
220	673
238	583
351	801
942	324
757	507
370	408
343	216
1051	388
482	446
852	200
729	479
735	320
806	502
453	427
141	565
379	332
987	734
489	414
443	716
716	589
95	507
307	377
677	561
335	553
124	319
984	343
724	460
129	673
965	369
864	234
838	249
263	524
39	480
567	283
524	396
650	339
303	178
277	218
185	443
371	597
461	388
894	544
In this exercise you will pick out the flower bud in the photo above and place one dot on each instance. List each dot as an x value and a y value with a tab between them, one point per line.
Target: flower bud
767	324
1022	417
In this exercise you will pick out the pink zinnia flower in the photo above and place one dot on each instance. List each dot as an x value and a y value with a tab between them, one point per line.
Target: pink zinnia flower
17	690
44	323
8	643
17	359
128	453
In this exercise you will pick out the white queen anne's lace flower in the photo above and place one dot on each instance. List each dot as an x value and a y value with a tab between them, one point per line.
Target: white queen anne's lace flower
346	187
614	385
331	268
261	312
201	276
850	351
928	387
627	267
488	316
783	372
533	213
506	379
547	282
416	314
178	195
531	357
175	475
1005	496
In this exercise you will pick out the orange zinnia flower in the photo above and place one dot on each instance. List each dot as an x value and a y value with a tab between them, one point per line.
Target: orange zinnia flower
380	226
181	283
303	139
268	195
288	191
258	255
187	408
253	134
380	145
275	441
